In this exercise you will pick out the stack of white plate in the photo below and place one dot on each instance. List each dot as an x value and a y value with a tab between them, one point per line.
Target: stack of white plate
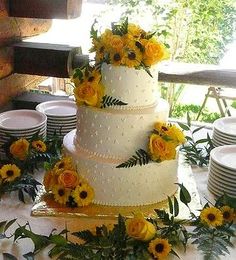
222	171
22	123
224	131
61	116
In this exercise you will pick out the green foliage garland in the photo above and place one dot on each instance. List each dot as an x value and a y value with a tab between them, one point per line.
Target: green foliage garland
115	243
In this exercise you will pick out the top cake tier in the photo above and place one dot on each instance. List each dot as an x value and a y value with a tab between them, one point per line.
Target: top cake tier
134	87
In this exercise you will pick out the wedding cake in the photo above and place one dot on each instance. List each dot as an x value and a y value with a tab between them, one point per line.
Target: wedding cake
114	145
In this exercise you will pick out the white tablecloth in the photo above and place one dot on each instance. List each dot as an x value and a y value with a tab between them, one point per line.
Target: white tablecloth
11	208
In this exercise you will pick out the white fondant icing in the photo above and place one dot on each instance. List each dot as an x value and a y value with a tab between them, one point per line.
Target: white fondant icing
139	185
135	87
127	130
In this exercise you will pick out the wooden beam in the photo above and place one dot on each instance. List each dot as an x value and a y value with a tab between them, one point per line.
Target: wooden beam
198	74
45	9
41	59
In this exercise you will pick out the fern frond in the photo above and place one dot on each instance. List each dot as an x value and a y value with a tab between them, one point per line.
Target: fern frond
108	101
141	157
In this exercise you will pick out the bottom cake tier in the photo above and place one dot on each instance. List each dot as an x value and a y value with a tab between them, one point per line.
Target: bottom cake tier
135	186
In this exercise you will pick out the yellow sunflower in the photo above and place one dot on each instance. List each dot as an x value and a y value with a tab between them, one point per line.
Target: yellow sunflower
116	57
65	163
211	216
19	149
9	172
61	194
39	146
132	58
228	213
160	248
83	195
50	179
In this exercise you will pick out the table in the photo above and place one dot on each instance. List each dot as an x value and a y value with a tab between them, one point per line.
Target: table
11	208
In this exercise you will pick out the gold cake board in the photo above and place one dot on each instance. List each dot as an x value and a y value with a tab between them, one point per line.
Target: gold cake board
45	205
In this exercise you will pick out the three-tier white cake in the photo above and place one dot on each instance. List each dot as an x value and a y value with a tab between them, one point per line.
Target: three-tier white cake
106	137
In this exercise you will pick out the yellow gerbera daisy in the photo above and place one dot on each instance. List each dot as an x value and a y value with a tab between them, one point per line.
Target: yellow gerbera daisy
65	163
160	248
9	172
61	194
211	216
228	213
83	195
39	146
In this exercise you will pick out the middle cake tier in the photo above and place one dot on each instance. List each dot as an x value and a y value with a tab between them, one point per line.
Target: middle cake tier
117	134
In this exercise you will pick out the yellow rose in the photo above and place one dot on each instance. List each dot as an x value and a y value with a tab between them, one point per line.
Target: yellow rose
139	228
86	93
116	43
68	179
154	51
176	134
160	149
49	180
19	149
134	30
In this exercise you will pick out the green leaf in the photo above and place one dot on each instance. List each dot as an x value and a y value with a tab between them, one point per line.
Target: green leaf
176	207
141	158
7	256
198	129
29	256
170	205
183	126
108	101
9	224
185	196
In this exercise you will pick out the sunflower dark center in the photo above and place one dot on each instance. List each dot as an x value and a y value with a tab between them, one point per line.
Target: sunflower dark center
164	128
211	217
61	192
61	165
39	145
226	215
116	57
9	173
101	50
159	248
83	194
131	55
90	79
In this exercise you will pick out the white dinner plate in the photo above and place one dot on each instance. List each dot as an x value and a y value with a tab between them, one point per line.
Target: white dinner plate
222	179
224	187
225	156
221	142
226	125
21	119
224	171
224	135
58	108
223	138
218	190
